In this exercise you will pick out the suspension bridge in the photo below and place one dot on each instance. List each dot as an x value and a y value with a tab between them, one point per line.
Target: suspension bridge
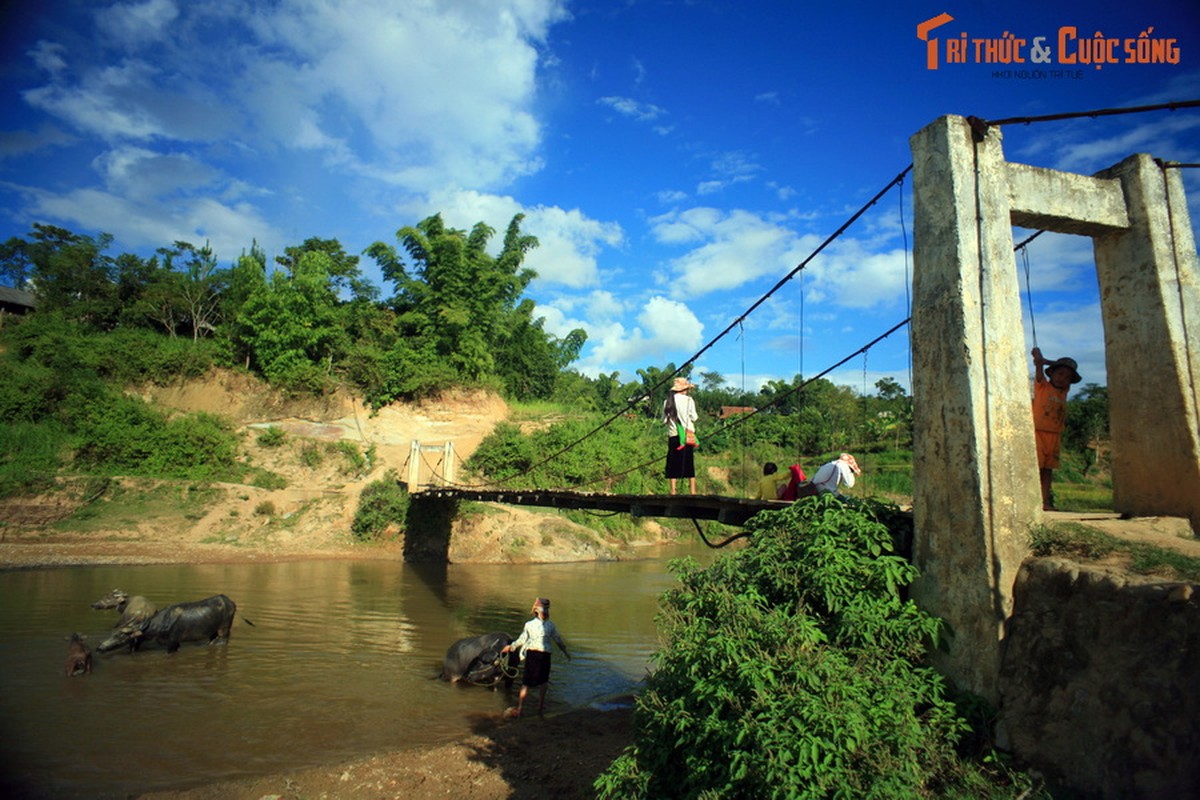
1018	197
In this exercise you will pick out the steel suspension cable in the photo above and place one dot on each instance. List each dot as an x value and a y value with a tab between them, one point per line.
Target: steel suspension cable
691	360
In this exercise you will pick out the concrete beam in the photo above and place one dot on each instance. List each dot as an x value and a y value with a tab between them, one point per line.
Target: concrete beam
1046	199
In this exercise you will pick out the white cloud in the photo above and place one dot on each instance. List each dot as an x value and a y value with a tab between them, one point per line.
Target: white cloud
736	247
108	102
229	228
443	91
569	242
136	24
143	175
634	109
850	275
48	56
665	329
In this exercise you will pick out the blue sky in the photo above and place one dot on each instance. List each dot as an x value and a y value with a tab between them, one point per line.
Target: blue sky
675	159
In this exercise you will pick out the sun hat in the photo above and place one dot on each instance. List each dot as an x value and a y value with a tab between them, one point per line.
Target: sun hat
682	384
1068	363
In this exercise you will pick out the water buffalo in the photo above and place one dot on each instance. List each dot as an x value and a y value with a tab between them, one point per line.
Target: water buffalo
477	659
79	656
133	610
211	619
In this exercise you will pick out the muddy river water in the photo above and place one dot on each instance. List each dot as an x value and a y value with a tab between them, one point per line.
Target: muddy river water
341	662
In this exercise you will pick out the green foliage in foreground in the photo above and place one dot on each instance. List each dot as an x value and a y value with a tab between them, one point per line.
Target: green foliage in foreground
384	502
793	668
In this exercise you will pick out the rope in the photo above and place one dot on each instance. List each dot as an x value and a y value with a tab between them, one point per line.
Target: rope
800	372
1029	294
695	356
742	419
721	544
980	126
1104	112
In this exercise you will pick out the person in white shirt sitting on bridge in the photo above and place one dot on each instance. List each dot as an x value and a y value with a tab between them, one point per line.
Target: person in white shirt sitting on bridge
842	469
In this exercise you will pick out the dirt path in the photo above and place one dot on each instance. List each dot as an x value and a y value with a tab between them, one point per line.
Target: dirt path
535	757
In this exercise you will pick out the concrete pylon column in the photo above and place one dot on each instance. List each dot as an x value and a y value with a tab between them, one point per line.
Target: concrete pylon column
974	461
1150	300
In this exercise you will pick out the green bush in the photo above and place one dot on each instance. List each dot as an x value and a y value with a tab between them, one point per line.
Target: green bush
794	668
30	455
607	460
382	503
311	456
272	436
120	434
356	461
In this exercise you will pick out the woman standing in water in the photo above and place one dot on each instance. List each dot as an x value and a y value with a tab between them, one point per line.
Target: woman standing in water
535	641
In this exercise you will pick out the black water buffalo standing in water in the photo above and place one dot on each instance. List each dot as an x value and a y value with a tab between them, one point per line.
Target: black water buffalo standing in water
133	610
79	656
211	619
477	659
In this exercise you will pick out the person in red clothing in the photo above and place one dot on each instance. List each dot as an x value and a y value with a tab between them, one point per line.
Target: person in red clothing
1052	381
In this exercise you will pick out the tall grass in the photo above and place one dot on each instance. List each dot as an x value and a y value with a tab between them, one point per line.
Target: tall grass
30	456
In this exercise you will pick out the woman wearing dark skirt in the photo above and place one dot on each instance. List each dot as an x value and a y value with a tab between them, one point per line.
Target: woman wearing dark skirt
679	410
534	641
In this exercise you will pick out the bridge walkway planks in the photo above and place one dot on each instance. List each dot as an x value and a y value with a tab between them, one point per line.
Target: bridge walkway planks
727	510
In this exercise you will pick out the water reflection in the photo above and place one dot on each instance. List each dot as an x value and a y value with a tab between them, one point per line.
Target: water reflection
341	662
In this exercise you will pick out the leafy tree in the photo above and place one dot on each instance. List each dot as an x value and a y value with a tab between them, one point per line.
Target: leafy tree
247	278
457	295
569	346
199	286
294	329
344	272
383	503
69	273
1086	427
711	381
526	358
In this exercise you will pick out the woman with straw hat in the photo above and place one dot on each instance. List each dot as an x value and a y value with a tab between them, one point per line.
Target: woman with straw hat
679	415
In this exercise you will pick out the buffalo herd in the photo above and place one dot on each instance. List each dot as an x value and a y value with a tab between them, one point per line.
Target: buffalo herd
141	622
475	660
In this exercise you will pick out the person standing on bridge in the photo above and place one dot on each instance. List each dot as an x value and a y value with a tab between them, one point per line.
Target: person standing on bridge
1052	381
535	640
679	415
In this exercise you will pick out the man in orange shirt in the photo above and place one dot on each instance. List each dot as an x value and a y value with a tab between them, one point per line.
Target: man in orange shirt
1052	381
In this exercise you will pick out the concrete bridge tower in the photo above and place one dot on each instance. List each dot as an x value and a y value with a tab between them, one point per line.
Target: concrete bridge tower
976	489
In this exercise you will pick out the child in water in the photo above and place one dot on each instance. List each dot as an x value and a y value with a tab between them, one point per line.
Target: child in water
535	639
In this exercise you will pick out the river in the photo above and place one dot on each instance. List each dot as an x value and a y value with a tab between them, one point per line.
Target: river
341	662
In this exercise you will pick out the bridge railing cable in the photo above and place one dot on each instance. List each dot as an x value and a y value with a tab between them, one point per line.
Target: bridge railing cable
741	419
899	179
979	125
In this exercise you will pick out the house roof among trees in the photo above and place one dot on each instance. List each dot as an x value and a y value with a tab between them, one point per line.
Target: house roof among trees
16	299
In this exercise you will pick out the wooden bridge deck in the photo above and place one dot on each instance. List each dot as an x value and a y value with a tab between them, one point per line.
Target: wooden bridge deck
727	510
